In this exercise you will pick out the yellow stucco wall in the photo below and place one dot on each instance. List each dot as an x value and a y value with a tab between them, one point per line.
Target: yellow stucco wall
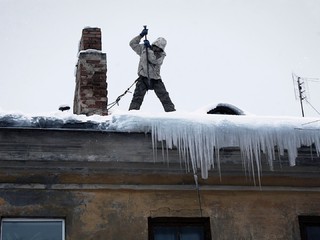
123	214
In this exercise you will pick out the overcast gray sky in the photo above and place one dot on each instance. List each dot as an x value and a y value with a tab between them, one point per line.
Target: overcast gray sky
240	52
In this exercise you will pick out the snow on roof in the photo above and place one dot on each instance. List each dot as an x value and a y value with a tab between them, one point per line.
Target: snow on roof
199	136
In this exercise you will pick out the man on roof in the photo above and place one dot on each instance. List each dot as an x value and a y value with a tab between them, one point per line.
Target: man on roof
151	59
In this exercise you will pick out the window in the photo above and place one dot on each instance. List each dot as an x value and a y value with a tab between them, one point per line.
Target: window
32	229
167	228
309	227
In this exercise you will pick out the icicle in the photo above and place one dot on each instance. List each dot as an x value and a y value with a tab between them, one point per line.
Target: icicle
198	142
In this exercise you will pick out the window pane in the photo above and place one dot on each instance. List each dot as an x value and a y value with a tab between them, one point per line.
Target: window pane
313	232
192	233
179	228
165	233
32	230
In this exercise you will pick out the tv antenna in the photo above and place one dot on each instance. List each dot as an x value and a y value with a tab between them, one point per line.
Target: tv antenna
302	89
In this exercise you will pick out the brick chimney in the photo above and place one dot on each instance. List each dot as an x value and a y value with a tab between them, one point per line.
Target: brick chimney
90	95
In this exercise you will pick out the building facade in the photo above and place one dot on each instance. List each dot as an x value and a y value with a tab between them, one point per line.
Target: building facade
107	185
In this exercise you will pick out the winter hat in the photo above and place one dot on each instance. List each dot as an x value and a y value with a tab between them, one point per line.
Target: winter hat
160	43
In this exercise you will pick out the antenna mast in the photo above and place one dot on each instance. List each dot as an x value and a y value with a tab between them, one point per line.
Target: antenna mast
302	88
301	92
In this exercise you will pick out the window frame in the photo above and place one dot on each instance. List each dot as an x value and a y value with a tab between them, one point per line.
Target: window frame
34	219
179	222
307	221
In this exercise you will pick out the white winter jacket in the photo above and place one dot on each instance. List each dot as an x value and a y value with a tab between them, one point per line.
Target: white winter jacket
155	60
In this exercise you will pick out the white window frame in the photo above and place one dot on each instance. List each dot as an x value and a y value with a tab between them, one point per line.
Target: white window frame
8	219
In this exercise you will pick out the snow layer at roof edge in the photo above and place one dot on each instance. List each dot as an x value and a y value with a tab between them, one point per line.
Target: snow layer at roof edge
198	137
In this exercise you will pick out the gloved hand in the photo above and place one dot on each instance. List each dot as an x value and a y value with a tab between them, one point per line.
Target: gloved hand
146	43
144	32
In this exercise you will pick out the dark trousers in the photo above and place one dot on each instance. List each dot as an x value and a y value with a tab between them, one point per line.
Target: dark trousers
143	86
